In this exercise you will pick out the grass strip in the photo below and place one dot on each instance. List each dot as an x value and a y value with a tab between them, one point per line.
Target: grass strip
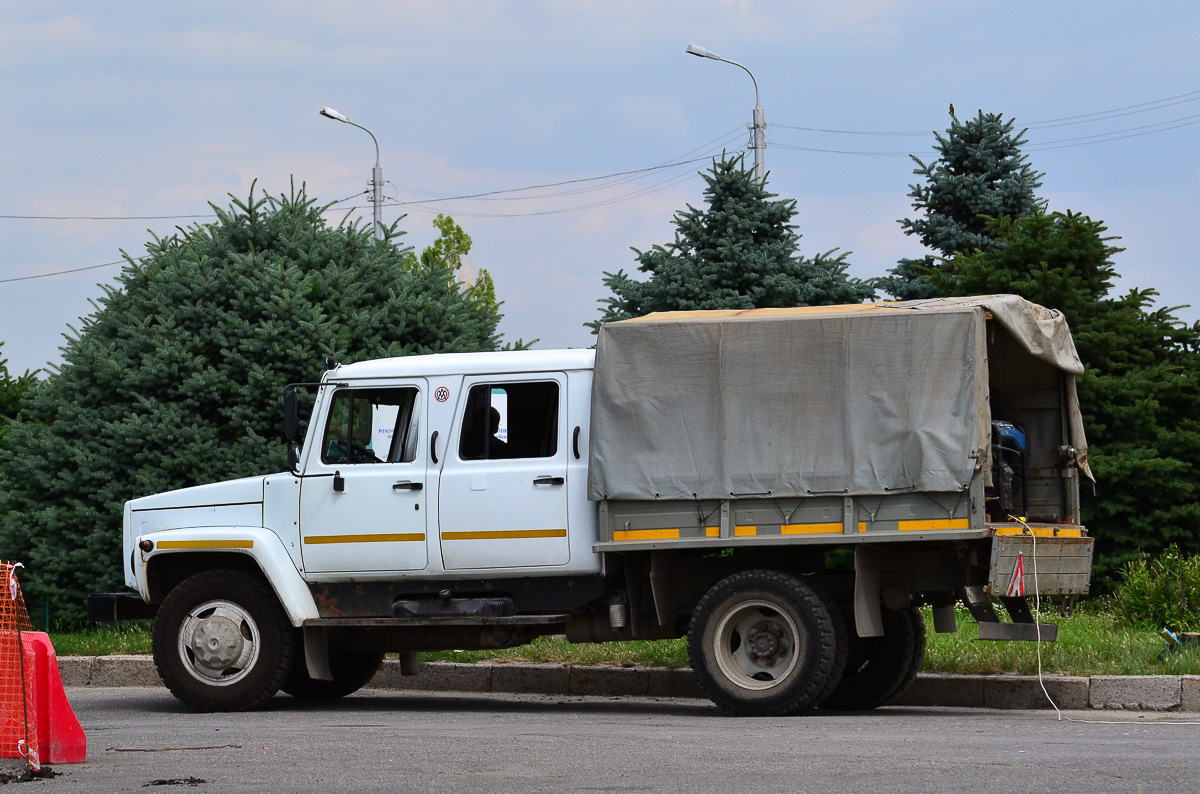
1088	644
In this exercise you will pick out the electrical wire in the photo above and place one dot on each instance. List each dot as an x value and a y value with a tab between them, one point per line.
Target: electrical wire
129	217
1084	118
622	178
494	195
576	208
1037	622
617	178
1115	135
1041	146
843	151
490	194
102	217
61	272
1179	99
609	181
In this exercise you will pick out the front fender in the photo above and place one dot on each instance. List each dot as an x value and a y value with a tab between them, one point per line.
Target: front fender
262	546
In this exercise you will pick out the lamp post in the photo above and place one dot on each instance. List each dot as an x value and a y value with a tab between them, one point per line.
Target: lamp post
760	121
376	172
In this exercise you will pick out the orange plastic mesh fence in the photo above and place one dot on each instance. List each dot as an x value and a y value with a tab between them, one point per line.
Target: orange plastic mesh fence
16	669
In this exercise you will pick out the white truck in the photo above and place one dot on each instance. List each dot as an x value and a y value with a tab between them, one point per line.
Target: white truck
784	487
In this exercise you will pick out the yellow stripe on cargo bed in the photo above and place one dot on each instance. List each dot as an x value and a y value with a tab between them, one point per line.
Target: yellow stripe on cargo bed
1042	532
645	534
934	524
812	529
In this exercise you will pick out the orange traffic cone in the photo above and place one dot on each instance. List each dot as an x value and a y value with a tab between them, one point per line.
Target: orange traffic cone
36	721
60	737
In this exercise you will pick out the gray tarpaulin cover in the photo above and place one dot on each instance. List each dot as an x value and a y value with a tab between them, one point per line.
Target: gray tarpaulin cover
863	399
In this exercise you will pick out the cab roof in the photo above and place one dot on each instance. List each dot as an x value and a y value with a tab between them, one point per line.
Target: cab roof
440	364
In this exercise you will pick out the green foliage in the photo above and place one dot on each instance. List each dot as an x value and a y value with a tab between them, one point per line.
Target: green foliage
449	252
979	173
1063	259
104	640
13	392
738	253
450	248
1140	394
177	377
1088	644
1160	592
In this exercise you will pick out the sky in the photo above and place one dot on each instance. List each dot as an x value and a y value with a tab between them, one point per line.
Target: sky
130	111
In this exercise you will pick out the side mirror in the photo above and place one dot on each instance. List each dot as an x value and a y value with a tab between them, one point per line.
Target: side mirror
293	458
290	420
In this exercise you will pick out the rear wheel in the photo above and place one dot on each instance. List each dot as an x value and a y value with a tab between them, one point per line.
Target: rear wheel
880	669
762	643
222	641
352	670
841	656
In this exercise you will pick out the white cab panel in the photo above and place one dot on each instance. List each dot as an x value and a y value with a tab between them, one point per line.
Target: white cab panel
508	511
376	522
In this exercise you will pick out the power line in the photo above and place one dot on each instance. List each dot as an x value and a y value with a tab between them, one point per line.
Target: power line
1085	118
103	217
624	176
839	151
61	272
490	193
921	133
1060	143
1169	101
671	181
1105	137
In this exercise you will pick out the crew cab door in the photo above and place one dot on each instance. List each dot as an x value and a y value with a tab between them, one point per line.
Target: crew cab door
502	501
362	497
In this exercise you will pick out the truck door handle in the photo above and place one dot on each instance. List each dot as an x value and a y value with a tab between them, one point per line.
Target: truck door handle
433	446
548	480
405	485
575	442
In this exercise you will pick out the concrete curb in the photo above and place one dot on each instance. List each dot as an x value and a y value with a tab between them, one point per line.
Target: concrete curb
1142	693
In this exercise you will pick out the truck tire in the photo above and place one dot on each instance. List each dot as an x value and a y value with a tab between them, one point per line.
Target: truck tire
762	643
880	669
352	670
841	633
917	660
222	641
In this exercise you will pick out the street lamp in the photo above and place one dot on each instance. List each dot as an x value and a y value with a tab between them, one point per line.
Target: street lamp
376	173
760	121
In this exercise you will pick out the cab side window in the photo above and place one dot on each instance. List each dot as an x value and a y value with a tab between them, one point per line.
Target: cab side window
510	420
371	426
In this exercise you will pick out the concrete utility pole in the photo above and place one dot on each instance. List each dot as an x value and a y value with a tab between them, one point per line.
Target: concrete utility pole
376	172
759	124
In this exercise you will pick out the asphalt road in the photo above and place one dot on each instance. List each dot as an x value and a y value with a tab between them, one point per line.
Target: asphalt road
141	739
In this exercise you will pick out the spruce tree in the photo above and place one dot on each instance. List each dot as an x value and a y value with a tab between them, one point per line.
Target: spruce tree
1140	394
980	172
740	252
12	393
177	376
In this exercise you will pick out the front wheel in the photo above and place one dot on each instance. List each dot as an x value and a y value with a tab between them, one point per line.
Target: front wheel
222	641
762	643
